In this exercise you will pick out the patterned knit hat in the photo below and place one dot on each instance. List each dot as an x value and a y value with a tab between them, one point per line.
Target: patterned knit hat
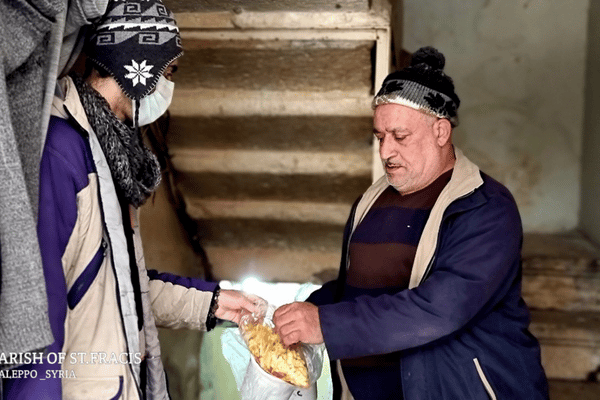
422	86
135	42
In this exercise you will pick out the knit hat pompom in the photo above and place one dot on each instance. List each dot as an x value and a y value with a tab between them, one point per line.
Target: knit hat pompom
429	56
422	85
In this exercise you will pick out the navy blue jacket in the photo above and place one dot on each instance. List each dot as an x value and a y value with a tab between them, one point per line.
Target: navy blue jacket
462	327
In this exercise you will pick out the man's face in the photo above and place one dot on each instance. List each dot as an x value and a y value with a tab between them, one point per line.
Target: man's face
411	154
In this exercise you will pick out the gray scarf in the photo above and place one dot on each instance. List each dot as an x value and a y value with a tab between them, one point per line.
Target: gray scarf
133	166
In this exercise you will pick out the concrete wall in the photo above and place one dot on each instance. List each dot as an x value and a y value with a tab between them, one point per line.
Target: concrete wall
590	197
518	67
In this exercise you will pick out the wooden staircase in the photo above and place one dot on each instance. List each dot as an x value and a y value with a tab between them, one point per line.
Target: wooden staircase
271	129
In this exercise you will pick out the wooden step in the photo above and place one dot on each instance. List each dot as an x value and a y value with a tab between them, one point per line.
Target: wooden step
237	102
565	245
241	24
276	224
288	212
285	163
570	342
274	234
283	65
302	187
327	133
561	389
561	272
266	5
546	288
272	264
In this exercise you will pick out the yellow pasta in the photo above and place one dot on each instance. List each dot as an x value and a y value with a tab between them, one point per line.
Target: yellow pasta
266	347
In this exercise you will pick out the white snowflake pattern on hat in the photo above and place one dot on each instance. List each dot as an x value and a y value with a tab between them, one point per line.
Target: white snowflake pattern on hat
138	73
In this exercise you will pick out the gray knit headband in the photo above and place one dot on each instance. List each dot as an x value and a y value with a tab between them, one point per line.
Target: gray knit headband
414	95
422	86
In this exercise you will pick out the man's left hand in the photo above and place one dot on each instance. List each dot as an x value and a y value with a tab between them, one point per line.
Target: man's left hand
298	322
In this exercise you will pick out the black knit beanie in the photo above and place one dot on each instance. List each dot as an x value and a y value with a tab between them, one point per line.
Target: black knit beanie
135	41
423	86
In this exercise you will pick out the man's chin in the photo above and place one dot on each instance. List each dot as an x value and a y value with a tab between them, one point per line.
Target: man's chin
394	182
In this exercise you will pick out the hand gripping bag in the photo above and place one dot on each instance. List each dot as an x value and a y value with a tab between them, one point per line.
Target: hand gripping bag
256	383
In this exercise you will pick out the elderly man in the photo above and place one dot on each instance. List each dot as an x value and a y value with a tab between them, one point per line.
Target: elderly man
428	302
95	173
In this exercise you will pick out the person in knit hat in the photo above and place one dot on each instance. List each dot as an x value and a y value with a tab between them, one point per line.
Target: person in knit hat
95	172
427	304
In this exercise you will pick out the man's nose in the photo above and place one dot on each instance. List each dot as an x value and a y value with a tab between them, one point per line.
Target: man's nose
386	147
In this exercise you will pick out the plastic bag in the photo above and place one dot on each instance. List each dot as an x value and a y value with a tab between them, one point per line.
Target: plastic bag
252	381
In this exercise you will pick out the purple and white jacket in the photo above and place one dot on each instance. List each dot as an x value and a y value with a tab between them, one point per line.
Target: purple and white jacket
98	344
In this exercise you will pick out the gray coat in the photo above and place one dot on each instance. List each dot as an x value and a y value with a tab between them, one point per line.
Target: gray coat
31	46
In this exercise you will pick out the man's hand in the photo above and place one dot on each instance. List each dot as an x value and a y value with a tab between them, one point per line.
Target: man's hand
298	322
233	303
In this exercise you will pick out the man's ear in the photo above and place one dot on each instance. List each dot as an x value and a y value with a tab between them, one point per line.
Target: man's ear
443	131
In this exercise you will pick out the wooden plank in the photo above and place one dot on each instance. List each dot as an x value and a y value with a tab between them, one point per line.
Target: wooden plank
557	292
311	20
276	65
274	233
261	186
286	132
205	20
219	102
282	20
289	211
355	163
267	5
280	34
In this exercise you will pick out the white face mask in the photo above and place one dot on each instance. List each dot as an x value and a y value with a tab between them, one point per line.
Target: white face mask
156	103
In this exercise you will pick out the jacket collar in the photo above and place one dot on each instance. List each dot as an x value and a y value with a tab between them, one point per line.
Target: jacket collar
67	104
466	177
